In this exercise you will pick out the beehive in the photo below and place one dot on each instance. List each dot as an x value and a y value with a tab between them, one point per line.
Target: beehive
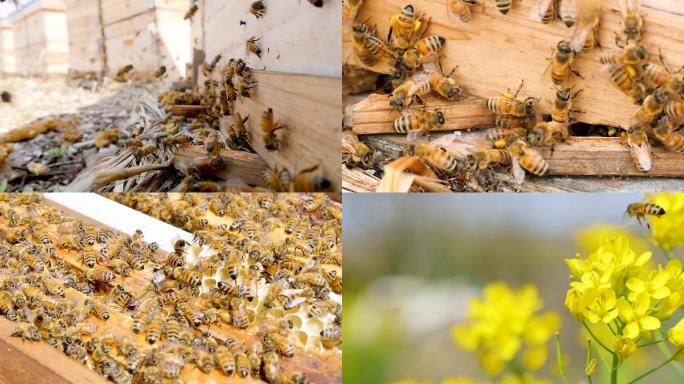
7	58
41	40
86	42
147	34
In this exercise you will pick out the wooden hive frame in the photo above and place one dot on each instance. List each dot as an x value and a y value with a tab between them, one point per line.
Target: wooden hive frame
8	63
147	34
494	52
40	38
87	54
40	363
298	75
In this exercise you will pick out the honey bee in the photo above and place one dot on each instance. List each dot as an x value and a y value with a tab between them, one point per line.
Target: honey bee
239	313
584	37
98	309
640	147
567	11
655	76
269	127
403	96
664	132
161	71
316	3
562	105
625	83
631	57
356	152
675	109
7	306
53	287
507	105
437	157
548	133
331	336
368	47
641	210
543	11
271	366
404	28
120	266
252	46
561	62
283	344
504	6
486	158
204	361
419	121
461	9
524	158
123	72
16	235
653	106
225	360
27	331
122	298
191	12
445	86
308	181
632	20
242	364
153	329
99	275
258	9
89	257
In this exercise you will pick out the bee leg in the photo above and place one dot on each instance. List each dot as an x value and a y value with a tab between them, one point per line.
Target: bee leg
576	73
520	87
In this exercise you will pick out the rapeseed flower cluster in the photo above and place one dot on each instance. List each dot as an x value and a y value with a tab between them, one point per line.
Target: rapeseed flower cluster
668	230
620	288
504	328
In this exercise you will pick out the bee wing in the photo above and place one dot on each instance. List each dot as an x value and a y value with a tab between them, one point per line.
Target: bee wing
415	135
579	37
633	6
539	9
518	171
642	155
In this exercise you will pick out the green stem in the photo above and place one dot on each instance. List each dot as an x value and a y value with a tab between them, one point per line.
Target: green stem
614	370
596	338
650	343
589	360
559	356
664	363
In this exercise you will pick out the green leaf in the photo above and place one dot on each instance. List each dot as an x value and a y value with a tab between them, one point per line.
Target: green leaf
3	185
57	151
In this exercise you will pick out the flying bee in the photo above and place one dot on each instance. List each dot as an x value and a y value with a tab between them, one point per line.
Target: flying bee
253	47
625	83
486	158
653	106
404	28
356	152
258	9
561	62
637	140
191	12
419	121
641	210
460	9
524	159
269	128
309	181
161	71
403	96
673	141
437	157
543	11
562	106
632	20
123	72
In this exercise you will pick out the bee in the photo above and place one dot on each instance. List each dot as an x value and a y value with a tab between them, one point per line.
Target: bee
543	11
27	331
242	364
655	76
675	108
225	360
122	298
123	72
567	11
268	130
404	28
7	306
653	106
252	46
99	275
486	158
673	141
356	152
271	366
160	72
548	133
191	12
53	287
437	157
632	20
153	329
316	3
308	181
584	37
425	48
121	267
625	83
40	233
419	121
507	105
640	147
239	313
461	9
204	361
16	235
175	259
504	6
331	336
641	210
445	86
98	309
403	96
89	257
258	9
561	62
562	105
631	56
429	45
524	159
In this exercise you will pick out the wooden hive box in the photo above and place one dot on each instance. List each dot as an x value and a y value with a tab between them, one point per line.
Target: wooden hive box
147	34
298	74
7	54
41	40
86	41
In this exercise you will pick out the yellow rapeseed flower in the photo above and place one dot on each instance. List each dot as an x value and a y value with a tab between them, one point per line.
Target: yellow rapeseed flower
676	337
668	230
624	347
636	316
590	238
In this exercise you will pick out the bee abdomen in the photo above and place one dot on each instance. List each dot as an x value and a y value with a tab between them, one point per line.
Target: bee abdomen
504	6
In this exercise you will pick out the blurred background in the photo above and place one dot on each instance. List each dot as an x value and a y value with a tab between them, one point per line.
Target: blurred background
412	265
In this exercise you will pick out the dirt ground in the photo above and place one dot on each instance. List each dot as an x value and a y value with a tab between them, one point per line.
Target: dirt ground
93	107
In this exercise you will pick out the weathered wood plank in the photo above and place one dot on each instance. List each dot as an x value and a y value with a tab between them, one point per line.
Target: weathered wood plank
244	166
495	52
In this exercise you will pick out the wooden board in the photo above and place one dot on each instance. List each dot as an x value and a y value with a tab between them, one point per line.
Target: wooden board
311	107
133	41
244	166
8	62
296	37
374	114
495	52
86	40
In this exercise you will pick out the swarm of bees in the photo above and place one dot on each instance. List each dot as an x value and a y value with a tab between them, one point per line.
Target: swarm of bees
68	283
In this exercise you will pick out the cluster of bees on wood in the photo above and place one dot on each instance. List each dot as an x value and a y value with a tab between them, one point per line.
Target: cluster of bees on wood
77	286
520	126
